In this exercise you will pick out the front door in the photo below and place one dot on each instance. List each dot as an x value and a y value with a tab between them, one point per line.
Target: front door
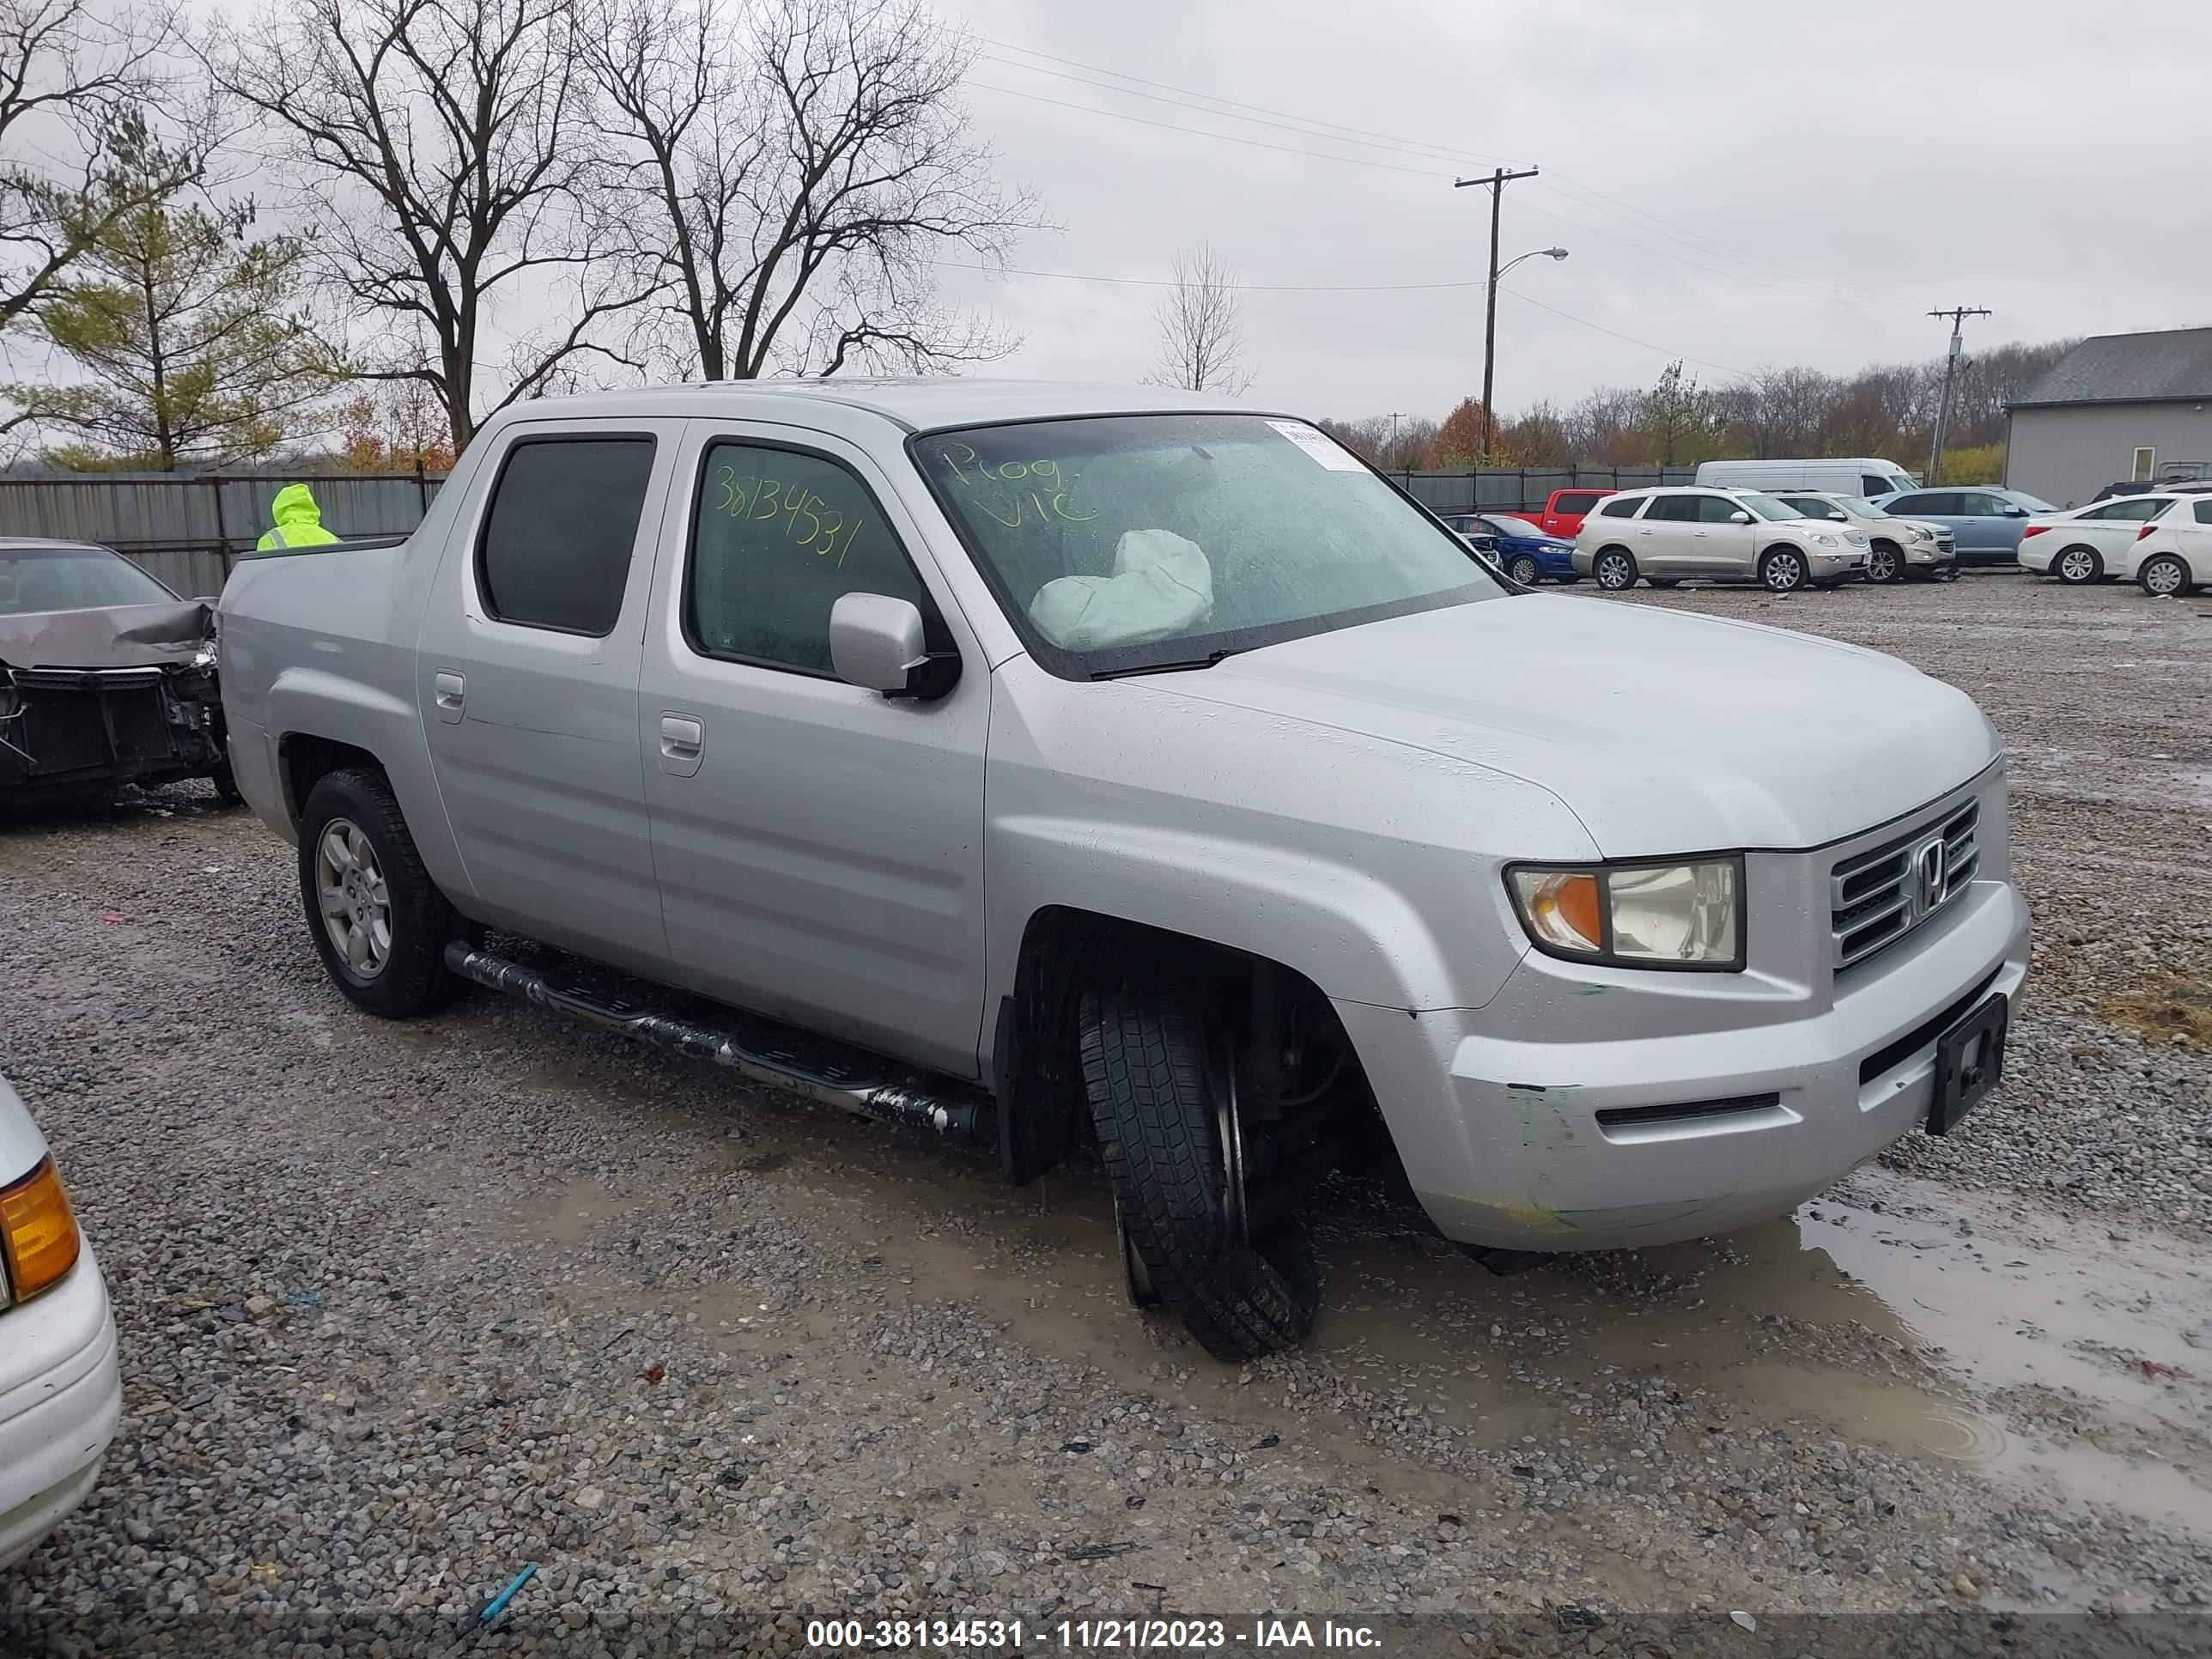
1720	547
820	847
526	680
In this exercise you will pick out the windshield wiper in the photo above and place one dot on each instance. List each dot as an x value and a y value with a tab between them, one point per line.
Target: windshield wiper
1176	667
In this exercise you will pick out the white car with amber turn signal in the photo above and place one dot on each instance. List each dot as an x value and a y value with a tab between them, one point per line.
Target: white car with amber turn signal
60	1392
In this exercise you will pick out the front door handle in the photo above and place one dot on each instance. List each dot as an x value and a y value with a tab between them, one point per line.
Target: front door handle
449	691
683	744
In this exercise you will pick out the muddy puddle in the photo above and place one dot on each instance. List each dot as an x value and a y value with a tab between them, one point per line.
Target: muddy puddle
2067	1358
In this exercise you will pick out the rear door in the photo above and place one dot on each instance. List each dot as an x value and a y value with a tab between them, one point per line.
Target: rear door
1564	514
820	846
2191	525
527	679
2112	528
1663	535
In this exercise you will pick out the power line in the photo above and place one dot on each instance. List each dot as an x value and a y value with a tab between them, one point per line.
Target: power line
1201	132
1326	132
1336	288
1410	144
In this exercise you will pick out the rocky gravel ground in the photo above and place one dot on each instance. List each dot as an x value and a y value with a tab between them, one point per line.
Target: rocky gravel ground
407	1309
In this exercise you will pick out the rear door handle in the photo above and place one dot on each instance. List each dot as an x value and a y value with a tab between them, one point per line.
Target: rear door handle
449	690
683	744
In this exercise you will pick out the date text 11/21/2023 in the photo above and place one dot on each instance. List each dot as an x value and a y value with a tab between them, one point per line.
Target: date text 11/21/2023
1088	1635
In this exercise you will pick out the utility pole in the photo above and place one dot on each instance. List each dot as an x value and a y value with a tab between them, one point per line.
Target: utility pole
1958	314
1397	415
1497	182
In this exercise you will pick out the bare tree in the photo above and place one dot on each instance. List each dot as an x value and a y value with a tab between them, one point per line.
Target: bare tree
438	149
78	151
792	175
1201	326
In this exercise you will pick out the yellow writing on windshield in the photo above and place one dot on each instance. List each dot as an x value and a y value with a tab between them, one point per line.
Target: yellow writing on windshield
760	500
1014	493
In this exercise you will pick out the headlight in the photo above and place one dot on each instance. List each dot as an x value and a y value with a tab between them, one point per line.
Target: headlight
1824	539
206	656
1635	915
1919	533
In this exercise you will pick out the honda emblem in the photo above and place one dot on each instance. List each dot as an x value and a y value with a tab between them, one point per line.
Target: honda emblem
1931	866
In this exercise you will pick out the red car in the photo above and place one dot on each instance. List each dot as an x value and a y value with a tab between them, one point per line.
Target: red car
1564	514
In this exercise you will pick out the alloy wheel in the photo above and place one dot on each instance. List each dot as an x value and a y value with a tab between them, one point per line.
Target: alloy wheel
354	899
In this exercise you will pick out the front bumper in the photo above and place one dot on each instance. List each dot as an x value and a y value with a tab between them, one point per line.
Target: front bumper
1827	566
61	1396
1804	1073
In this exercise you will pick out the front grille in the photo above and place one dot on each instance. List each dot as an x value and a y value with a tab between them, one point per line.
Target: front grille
85	679
1945	544
1876	898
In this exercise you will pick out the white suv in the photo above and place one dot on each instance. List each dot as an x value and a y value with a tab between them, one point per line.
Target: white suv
1666	536
2092	543
1898	549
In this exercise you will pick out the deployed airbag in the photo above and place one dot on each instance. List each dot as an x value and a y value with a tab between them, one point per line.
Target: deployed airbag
1161	585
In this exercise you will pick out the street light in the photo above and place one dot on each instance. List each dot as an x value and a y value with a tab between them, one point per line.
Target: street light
1489	334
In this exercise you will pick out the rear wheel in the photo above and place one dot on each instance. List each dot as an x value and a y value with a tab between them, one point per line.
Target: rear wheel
1162	1096
1885	562
2078	566
1782	569
377	920
1524	569
1615	569
2164	576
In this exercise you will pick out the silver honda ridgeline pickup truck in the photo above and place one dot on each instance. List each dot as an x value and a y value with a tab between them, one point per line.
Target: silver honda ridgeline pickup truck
1048	764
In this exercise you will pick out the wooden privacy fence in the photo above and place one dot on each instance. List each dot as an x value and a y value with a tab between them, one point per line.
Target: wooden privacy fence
188	529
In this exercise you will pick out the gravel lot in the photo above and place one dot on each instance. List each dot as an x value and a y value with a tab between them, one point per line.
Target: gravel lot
405	1309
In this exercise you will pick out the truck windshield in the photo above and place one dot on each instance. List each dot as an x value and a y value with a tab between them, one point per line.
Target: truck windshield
35	578
1129	542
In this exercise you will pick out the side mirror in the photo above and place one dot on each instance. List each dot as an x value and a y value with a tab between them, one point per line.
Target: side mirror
1837	514
2015	511
879	644
1738	517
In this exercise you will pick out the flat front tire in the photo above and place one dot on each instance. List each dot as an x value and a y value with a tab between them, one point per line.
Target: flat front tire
377	920
1156	1095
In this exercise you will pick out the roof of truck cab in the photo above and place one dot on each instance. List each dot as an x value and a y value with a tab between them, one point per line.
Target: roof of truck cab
918	403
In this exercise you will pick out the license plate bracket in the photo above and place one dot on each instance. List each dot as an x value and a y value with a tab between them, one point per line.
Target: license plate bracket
1969	1063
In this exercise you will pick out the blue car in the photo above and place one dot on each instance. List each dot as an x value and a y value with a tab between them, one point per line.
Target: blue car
1516	547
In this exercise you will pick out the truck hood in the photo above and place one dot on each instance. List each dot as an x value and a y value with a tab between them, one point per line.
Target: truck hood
1663	732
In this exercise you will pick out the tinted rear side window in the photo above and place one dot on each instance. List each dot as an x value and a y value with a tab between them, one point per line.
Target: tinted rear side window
1621	507
1677	509
557	542
2205	511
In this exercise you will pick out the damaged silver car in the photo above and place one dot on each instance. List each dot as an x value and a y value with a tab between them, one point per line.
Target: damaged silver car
107	678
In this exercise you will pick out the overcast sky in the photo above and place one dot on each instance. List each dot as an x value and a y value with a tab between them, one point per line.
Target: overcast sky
1738	182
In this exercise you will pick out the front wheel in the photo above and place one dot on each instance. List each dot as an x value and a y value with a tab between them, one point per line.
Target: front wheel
1524	569
1164	1104
1782	569
2078	566
1885	564
2164	577
377	920
1615	569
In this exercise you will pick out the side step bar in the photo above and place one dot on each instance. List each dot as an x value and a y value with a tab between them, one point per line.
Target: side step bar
848	1079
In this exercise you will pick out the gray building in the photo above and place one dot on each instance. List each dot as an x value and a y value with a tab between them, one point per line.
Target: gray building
2117	406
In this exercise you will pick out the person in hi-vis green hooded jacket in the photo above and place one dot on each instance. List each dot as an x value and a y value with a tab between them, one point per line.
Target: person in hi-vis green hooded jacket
299	522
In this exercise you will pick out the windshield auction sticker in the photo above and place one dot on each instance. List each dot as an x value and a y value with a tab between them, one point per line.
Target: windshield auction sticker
1319	444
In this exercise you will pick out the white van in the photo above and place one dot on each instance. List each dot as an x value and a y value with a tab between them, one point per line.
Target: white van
1848	475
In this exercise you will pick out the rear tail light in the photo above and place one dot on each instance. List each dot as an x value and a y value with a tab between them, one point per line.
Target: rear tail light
2149	526
2033	530
38	1235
